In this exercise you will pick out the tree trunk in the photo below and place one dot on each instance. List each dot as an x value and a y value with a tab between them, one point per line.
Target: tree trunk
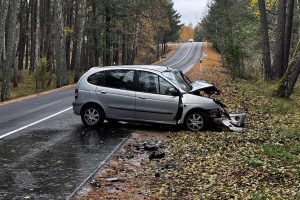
288	33
23	33
59	45
95	35
71	67
134	45
298	6
124	49
32	35
27	38
79	37
290	78
265	40
3	13
107	54
37	42
278	66
68	37
10	46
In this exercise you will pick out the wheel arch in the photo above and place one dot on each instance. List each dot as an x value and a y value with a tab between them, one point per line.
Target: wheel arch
92	104
194	110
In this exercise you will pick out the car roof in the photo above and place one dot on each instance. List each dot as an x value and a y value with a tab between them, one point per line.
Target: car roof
136	67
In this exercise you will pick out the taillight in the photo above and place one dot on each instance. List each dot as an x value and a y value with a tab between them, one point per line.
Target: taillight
76	93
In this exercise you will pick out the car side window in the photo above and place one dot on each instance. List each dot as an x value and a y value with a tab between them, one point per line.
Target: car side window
148	82
97	78
164	86
120	79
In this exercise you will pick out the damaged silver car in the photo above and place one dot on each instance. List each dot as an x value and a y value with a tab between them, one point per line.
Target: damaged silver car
154	94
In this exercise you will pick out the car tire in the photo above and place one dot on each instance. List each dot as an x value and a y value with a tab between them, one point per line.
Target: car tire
196	121
92	116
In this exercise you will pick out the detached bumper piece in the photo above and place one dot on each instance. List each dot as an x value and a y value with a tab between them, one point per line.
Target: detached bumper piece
234	123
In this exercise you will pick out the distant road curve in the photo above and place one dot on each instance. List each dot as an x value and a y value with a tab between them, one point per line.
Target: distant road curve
185	57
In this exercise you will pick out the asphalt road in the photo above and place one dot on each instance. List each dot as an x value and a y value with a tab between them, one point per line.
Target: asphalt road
45	151
185	57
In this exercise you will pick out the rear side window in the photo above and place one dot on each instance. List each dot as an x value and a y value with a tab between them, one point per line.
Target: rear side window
120	79
97	79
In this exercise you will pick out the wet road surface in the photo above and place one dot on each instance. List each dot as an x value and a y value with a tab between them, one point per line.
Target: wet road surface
50	161
45	151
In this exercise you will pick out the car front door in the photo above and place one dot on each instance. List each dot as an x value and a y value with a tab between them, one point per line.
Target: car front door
153	100
117	94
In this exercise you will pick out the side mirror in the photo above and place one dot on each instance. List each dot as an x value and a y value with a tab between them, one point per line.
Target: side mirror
173	92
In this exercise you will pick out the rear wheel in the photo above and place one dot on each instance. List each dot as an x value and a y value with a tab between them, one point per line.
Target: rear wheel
196	121
92	116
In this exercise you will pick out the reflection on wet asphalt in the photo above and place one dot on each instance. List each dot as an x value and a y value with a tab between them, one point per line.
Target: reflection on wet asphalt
50	160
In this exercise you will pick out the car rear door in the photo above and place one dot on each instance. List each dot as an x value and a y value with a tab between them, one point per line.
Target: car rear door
117	94
153	101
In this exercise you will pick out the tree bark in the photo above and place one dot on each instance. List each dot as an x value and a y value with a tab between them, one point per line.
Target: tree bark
278	65
22	34
69	24
27	38
37	43
59	45
32	35
288	33
124	49
10	46
298	6
265	40
107	54
79	37
95	35
71	67
3	14
290	78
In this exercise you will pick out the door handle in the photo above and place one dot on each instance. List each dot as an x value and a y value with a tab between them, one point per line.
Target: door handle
142	97
103	92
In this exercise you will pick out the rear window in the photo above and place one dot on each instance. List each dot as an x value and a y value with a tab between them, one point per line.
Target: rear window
97	79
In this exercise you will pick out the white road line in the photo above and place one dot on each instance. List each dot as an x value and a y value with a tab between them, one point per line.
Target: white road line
182	57
34	123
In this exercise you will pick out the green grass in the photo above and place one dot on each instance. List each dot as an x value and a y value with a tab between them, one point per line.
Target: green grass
279	152
254	162
258	196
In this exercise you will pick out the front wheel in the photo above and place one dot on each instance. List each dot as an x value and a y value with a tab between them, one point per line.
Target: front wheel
196	121
92	116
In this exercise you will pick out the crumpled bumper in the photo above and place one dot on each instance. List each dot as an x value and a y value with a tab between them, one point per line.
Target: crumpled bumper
234	122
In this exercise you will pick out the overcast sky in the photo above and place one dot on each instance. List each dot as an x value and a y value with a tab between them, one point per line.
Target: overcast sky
192	11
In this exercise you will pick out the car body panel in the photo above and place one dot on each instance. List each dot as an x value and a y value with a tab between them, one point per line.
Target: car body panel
118	104
156	107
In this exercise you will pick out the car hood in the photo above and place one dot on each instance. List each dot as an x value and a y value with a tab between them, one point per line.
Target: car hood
208	88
